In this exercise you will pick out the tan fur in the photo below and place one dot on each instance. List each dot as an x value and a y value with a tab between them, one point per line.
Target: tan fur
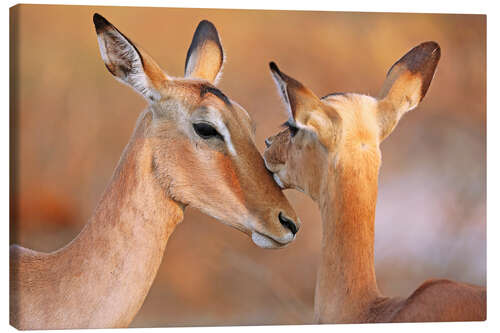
102	277
154	73
342	177
206	69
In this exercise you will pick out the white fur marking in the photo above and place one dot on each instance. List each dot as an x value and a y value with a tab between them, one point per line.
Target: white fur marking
278	181
216	119
263	241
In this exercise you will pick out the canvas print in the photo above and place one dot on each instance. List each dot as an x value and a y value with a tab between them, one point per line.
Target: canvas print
205	167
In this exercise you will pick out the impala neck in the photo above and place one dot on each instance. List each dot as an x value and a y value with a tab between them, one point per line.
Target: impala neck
116	256
346	282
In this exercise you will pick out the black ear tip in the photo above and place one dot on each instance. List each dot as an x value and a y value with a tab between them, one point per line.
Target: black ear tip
100	22
436	49
207	29
206	24
273	66
431	49
430	45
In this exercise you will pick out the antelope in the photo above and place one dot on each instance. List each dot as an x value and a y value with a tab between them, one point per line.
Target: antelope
191	146
330	150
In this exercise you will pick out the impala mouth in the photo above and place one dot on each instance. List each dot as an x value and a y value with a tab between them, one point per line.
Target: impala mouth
266	242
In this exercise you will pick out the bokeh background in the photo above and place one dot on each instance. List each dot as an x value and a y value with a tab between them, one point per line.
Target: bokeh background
70	121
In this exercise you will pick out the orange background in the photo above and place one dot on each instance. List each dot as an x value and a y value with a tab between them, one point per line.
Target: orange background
71	121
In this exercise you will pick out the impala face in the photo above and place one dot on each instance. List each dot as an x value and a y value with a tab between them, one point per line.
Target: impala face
204	154
341	133
302	159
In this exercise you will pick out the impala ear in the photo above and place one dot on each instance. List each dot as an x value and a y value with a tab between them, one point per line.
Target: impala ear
406	85
205	55
305	109
126	62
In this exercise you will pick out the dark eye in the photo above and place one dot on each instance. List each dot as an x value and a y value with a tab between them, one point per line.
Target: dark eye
293	129
206	131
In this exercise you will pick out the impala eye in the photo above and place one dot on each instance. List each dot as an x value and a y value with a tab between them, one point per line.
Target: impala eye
206	131
293	129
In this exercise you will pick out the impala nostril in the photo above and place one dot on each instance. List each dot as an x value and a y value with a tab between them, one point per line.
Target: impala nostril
287	223
268	142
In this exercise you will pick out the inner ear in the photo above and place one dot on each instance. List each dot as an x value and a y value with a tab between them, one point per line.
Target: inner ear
205	56
307	110
128	63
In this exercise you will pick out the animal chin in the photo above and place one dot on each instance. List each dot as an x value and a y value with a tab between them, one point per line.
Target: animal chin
264	241
278	181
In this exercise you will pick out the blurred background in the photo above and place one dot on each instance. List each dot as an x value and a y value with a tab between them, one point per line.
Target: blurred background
70	121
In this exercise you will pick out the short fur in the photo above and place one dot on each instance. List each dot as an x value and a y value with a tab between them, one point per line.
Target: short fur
102	277
341	175
206	44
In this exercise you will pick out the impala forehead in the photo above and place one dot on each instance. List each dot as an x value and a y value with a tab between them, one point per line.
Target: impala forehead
199	100
234	118
209	95
215	92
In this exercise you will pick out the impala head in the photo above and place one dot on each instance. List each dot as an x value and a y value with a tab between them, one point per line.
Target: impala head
204	153
343	131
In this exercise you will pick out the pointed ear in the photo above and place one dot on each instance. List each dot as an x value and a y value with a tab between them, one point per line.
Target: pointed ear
406	84
305	109
126	62
205	55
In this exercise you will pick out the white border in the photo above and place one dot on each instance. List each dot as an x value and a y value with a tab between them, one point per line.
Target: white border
420	6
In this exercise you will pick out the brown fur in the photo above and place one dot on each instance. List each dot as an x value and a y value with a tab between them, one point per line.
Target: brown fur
342	177
101	278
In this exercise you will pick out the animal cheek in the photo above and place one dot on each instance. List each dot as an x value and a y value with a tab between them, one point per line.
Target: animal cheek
272	166
299	169
272	158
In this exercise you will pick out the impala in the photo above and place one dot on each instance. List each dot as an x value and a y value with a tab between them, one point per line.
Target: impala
191	146
330	151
